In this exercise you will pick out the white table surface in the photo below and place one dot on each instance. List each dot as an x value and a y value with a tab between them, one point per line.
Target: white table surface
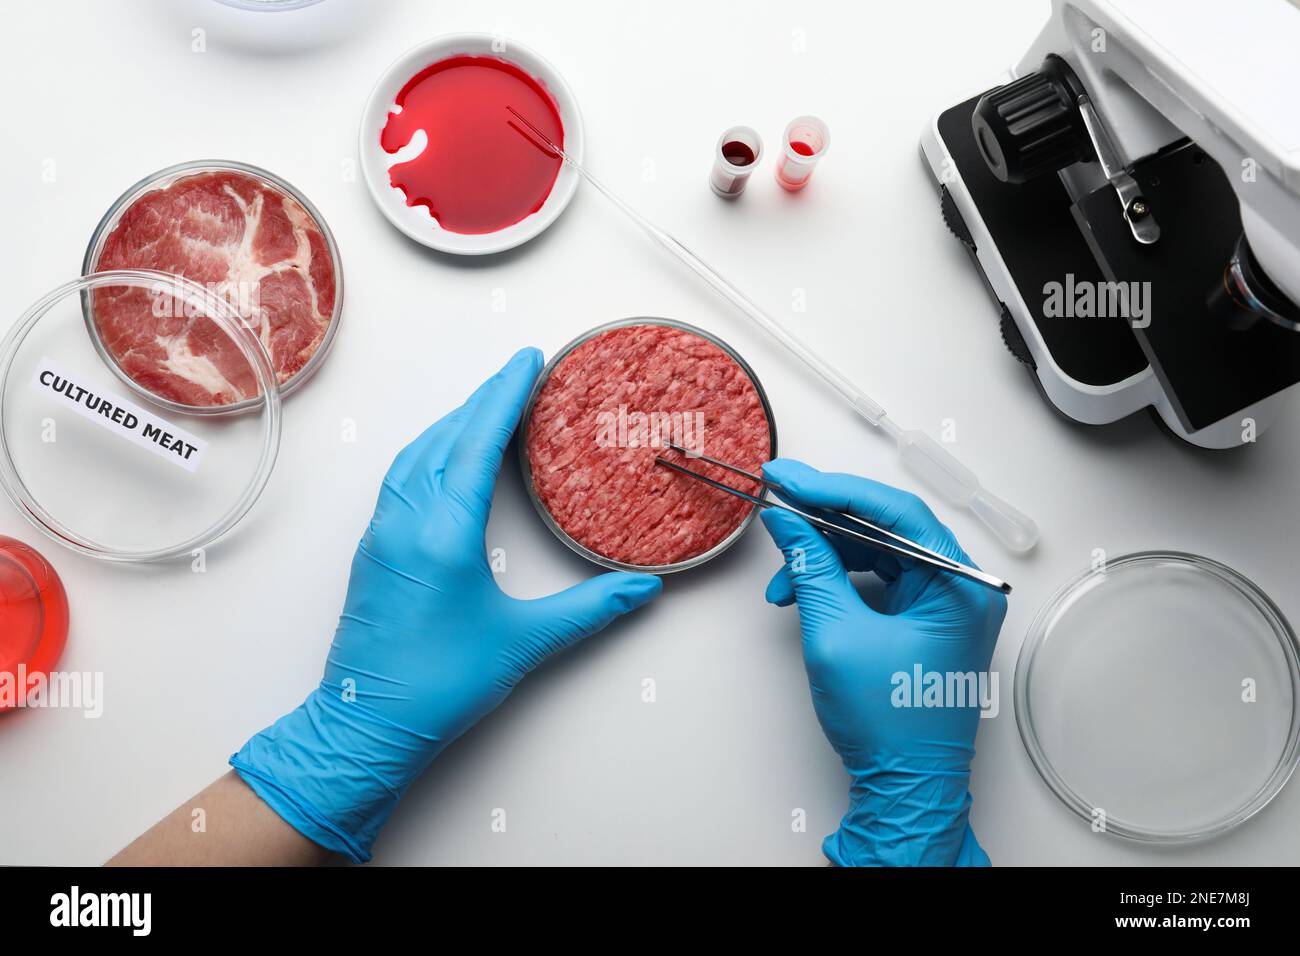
587	772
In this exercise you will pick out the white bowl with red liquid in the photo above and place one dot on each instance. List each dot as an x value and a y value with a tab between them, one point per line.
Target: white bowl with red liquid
457	230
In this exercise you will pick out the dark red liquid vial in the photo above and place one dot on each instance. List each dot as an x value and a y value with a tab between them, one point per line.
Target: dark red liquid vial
737	153
33	618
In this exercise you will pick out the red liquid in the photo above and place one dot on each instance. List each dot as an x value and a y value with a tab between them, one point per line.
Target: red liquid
478	174
800	147
33	615
737	153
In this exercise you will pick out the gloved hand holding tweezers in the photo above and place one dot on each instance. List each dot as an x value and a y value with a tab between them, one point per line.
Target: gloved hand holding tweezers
909	766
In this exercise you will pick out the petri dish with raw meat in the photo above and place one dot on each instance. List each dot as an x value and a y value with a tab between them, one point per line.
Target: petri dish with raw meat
244	235
612	401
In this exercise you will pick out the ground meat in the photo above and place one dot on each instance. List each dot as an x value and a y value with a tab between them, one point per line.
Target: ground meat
240	238
609	407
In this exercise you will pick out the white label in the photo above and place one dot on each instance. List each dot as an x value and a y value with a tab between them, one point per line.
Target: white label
122	417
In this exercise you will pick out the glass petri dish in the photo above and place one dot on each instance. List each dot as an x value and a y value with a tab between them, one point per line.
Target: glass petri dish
253	288
526	467
118	473
269	5
1158	698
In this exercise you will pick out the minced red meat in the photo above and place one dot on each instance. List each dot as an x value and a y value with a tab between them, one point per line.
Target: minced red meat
609	408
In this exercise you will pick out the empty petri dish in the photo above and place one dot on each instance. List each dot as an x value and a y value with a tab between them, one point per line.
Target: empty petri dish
106	465
1157	698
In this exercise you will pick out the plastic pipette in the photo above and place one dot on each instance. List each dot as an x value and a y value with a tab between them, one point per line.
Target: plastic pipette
919	453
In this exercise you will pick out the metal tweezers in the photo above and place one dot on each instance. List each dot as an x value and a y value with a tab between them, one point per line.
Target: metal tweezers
896	544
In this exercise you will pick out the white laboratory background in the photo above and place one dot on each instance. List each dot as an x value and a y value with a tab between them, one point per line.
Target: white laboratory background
103	92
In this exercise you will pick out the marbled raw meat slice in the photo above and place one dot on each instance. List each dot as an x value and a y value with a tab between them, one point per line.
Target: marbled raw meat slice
236	235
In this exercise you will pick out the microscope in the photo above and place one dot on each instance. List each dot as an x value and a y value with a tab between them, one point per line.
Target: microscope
1130	194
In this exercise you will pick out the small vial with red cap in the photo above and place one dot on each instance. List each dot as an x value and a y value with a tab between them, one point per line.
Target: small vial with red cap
33	621
806	140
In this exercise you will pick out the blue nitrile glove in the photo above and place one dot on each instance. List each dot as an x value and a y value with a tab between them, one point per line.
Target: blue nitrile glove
909	767
427	643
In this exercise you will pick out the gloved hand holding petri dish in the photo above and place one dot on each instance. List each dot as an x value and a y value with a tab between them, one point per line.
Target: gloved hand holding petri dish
427	643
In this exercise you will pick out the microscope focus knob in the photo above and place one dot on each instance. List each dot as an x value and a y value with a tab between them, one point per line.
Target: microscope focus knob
1032	126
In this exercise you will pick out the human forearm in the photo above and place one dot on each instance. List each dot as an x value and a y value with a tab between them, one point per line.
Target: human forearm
226	824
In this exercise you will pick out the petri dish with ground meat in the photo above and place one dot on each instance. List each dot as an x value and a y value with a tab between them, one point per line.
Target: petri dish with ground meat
606	406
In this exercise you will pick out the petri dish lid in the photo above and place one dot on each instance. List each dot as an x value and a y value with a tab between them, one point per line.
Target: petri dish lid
114	460
1158	697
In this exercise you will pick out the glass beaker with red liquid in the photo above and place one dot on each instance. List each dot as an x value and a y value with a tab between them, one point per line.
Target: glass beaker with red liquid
33	620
